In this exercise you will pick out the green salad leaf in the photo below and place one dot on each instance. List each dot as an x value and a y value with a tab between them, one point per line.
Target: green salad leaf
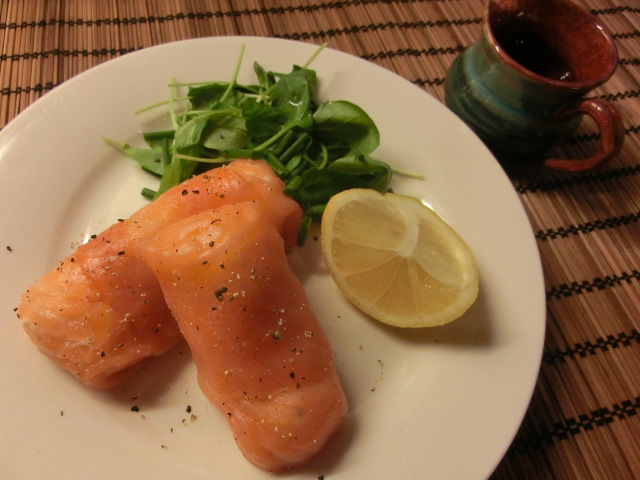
318	150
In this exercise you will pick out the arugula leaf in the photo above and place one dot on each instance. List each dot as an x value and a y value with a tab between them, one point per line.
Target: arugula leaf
226	133
174	173
292	95
317	150
342	121
262	121
148	158
206	96
266	80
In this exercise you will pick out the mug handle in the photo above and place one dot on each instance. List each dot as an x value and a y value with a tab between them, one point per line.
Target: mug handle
611	128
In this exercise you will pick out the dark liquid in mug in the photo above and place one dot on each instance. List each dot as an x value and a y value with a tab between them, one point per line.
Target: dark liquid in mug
520	38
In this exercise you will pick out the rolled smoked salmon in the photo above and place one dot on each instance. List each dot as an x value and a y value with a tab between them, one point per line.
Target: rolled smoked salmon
261	356
101	312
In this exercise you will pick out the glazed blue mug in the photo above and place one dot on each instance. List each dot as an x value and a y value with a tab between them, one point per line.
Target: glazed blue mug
521	86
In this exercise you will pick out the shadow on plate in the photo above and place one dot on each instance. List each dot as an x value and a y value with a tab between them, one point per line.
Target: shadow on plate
329	457
472	329
155	379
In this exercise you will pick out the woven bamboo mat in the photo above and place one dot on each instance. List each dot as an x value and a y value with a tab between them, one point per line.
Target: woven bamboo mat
582	422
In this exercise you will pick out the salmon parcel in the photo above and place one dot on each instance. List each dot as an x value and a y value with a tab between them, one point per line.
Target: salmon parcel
261	356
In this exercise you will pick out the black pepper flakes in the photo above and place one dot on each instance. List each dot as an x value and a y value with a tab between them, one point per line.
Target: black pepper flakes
9	248
121	252
188	410
185	192
135	408
218	293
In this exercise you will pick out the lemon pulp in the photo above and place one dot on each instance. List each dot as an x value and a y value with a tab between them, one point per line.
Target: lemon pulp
396	259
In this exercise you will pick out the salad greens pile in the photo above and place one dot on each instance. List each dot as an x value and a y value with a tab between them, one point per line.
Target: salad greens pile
318	150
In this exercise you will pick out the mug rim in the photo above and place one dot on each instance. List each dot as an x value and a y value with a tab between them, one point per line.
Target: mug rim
578	85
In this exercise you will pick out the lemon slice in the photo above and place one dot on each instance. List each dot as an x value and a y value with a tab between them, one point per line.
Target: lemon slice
396	259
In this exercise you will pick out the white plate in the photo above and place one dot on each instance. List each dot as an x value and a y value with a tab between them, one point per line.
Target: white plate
442	403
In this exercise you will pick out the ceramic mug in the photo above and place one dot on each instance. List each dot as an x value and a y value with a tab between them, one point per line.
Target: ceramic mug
520	87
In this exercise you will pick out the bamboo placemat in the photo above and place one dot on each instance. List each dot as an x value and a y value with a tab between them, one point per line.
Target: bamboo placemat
582	422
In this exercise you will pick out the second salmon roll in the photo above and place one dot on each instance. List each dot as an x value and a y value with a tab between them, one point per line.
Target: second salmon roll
261	355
